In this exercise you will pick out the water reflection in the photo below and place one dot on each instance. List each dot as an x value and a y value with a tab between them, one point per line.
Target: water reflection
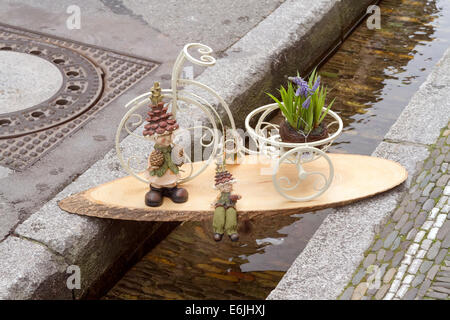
373	76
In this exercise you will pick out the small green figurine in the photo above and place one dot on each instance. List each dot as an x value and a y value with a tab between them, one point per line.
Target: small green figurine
225	214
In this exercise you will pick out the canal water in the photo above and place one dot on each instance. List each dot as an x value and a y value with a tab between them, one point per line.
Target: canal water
373	76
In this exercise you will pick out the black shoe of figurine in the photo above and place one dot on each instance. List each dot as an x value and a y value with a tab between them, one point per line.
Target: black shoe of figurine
218	236
178	195
154	197
234	237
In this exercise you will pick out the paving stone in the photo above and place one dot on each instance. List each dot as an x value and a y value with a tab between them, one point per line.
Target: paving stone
420	202
427	177
443	279
424	287
426	244
442	284
421	254
428	205
382	291
418	280
446	242
420	219
432	233
443	273
414	267
410	206
359	291
436	193
432	272
407	227
419	236
434	250
398	213
402	291
416	195
442	182
439	159
427	225
437	295
408	279
402	221
440	219
390	239
377	245
388	255
426	265
411	234
397	258
405	245
411	294
389	275
442	201
426	192
421	176
440	257
369	260
387	230
358	276
347	293
444	167
388	296
446	209
412	250
447	191
380	255
396	243
395	285
441	289
433	214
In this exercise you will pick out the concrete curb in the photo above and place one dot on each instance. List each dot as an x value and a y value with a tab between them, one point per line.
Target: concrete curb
337	248
52	239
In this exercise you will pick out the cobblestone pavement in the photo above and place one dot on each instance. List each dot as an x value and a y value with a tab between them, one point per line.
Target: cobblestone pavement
409	257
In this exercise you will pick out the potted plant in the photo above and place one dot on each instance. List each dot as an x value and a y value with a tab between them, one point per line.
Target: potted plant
302	106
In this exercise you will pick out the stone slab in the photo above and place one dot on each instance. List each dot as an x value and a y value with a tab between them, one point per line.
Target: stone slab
37	272
429	108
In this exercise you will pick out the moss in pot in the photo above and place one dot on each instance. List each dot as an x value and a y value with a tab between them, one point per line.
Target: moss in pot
302	105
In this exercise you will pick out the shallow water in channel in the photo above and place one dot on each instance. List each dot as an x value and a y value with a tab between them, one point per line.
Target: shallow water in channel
373	76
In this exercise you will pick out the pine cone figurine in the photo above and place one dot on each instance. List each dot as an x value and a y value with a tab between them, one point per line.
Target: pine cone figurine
156	158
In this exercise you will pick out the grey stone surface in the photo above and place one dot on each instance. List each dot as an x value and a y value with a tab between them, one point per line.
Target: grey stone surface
347	293
434	250
417	280
415	116
425	266
31	80
411	294
4	172
332	255
357	278
29	269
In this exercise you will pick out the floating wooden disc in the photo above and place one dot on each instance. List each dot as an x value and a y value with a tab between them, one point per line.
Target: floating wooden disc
355	177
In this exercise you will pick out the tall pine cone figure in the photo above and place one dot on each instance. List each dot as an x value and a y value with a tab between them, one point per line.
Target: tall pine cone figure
156	158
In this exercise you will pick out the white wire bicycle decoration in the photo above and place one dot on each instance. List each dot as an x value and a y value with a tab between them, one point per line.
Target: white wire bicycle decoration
264	134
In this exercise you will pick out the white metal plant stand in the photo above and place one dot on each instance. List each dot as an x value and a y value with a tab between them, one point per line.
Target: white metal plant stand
264	134
267	138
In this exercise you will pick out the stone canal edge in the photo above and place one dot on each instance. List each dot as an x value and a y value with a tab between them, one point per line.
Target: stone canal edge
395	245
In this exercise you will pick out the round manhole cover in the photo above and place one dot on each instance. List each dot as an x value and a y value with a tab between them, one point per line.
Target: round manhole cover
43	85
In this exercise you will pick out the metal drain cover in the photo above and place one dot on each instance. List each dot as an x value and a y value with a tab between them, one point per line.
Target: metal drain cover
91	78
81	86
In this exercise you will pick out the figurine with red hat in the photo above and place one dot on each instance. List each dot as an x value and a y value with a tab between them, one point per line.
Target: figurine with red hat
166	158
225	214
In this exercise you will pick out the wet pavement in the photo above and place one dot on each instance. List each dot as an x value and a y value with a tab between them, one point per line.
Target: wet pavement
373	76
